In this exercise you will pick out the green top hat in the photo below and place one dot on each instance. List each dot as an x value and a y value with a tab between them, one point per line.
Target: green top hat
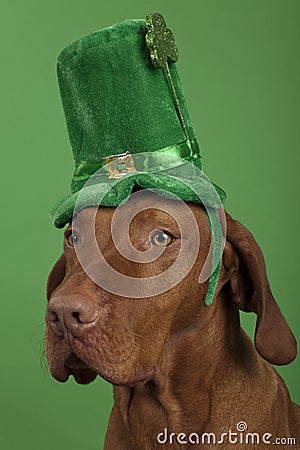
122	96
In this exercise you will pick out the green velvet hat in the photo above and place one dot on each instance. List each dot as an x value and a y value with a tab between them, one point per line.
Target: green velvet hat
125	110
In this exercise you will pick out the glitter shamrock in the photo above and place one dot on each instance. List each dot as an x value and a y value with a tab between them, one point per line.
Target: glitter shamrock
161	45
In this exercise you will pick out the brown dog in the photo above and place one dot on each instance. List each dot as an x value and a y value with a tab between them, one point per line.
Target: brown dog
185	375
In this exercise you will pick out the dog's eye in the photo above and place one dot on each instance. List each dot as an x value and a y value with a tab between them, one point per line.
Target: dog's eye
73	239
160	238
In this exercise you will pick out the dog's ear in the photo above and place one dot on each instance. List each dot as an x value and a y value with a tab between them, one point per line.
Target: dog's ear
251	292
56	275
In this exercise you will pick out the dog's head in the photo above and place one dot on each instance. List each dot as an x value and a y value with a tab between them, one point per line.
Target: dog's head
94	330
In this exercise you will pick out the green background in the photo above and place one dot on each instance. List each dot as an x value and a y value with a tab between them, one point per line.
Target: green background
239	64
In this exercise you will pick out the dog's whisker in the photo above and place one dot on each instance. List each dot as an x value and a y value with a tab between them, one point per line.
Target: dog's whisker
37	328
134	343
43	358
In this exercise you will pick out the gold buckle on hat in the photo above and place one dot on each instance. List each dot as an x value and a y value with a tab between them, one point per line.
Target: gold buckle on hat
119	165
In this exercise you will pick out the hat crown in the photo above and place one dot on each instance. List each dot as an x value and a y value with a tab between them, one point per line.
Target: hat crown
114	99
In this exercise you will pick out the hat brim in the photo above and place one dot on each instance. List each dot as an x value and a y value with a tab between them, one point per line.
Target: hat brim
199	190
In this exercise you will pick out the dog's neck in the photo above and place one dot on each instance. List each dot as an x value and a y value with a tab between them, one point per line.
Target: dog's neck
194	359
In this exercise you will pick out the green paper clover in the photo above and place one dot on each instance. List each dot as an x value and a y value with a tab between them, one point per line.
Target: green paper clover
160	41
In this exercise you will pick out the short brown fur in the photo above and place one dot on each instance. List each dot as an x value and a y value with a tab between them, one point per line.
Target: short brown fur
174	362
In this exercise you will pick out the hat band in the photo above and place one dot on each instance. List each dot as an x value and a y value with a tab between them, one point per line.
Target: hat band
155	160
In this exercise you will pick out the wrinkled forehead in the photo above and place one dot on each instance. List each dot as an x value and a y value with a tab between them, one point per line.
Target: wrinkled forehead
145	209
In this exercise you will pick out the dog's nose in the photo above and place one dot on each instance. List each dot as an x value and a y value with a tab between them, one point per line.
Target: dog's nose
72	316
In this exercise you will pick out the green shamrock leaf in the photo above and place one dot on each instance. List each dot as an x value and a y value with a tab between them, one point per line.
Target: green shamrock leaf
160	41
161	45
